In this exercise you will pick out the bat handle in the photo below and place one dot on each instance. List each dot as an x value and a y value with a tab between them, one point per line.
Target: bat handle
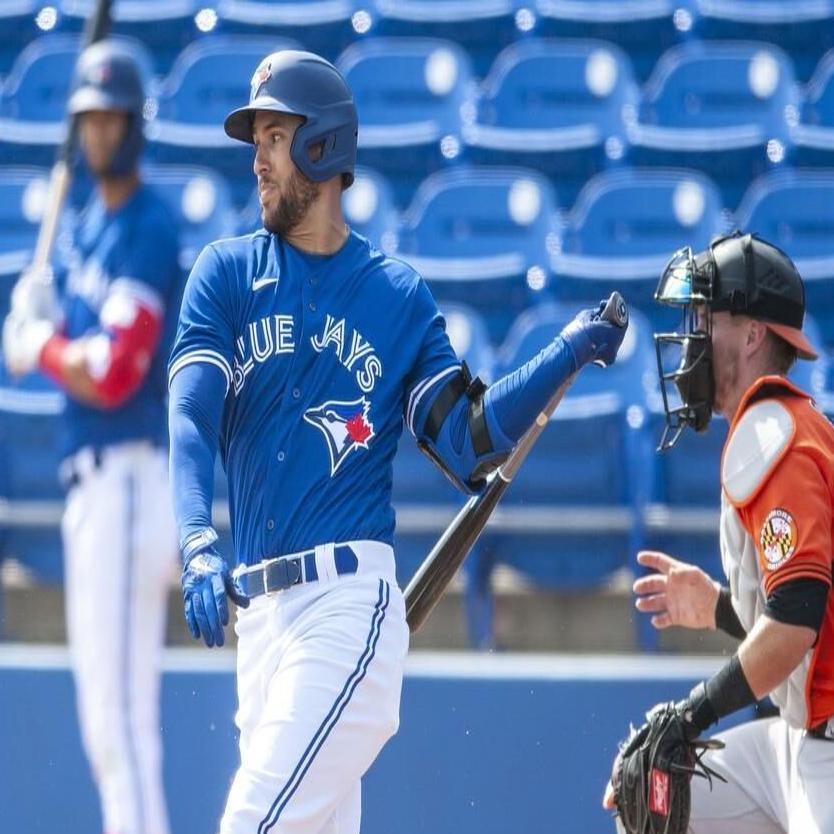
615	310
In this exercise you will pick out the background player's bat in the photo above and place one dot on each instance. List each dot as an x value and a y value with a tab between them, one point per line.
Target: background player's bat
436	572
94	30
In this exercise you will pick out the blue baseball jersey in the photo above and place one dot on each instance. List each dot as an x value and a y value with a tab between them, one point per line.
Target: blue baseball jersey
323	357
126	256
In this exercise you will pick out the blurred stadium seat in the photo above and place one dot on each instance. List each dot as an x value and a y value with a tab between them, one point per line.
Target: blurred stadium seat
482	27
795	210
23	194
21	21
625	226
409	93
813	136
556	106
30	493
370	210
322	26
643	28
573	514
482	236
722	107
201	204
208	80
164	26
804	28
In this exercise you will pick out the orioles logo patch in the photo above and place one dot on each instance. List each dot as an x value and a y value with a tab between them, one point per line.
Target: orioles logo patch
778	538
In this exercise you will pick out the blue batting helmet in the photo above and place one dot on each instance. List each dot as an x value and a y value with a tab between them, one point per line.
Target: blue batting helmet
305	85
107	78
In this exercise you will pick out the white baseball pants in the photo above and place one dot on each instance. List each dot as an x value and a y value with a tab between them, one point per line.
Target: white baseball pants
320	669
780	781
120	553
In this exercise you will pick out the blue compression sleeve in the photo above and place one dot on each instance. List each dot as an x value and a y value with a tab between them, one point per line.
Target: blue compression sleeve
514	402
194	412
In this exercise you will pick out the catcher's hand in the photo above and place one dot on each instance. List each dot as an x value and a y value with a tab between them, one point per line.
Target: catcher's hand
649	785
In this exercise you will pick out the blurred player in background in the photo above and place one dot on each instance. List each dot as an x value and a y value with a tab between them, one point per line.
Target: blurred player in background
745	305
301	350
105	340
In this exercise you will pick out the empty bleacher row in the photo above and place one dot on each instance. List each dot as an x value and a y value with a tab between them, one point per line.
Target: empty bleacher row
526	158
570	108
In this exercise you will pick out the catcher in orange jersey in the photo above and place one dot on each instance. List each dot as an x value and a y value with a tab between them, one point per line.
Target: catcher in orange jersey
744	306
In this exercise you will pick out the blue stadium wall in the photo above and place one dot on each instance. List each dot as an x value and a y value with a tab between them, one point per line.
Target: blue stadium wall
487	745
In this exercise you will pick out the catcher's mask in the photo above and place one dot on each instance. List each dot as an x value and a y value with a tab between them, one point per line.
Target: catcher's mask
687	283
739	274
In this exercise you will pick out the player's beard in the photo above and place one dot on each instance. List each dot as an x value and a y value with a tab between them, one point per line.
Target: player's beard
294	201
726	378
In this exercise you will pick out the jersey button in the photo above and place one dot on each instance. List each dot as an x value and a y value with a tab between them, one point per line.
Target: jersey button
270	525
296	393
280	456
314	280
312	306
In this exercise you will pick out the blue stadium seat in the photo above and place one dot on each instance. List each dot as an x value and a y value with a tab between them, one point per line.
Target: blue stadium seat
23	195
482	27
164	26
370	210
209	79
643	28
624	228
482	237
795	210
29	458
557	106
573	514
722	107
409	93
200	201
813	136
33	100
21	21
321	26
422	495
804	28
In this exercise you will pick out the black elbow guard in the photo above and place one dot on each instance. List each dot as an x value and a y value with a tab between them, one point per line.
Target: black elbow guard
473	465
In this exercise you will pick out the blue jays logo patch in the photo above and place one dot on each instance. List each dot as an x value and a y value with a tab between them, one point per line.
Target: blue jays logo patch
262	74
345	427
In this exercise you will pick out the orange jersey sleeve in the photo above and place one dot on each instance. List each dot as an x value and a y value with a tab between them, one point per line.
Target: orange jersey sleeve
790	522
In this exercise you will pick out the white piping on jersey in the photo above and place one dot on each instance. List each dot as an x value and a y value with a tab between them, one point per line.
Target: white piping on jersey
210	357
140	292
418	392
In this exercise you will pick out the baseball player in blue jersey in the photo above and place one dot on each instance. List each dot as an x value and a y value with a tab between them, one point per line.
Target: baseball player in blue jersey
105	340
300	352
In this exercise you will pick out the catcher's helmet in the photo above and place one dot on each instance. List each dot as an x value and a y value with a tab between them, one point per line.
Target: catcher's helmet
304	84
107	78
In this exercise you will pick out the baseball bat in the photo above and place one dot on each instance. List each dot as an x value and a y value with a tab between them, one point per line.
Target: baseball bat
437	570
59	180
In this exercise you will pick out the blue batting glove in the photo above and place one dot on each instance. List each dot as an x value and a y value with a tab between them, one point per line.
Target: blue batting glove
592	339
206	582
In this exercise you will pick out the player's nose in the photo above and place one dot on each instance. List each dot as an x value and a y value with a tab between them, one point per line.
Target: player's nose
259	164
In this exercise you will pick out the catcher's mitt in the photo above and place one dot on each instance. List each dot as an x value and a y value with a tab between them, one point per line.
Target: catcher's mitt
653	770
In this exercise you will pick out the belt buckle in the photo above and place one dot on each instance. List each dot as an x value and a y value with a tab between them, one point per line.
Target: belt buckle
291	574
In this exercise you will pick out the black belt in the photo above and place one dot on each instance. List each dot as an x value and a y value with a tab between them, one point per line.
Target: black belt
281	572
821	731
71	473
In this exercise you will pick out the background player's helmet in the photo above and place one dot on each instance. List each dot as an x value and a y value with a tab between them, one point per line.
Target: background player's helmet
740	274
305	85
108	78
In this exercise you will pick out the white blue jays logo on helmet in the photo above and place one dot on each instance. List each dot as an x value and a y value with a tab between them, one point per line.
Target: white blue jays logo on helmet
262	74
345	427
